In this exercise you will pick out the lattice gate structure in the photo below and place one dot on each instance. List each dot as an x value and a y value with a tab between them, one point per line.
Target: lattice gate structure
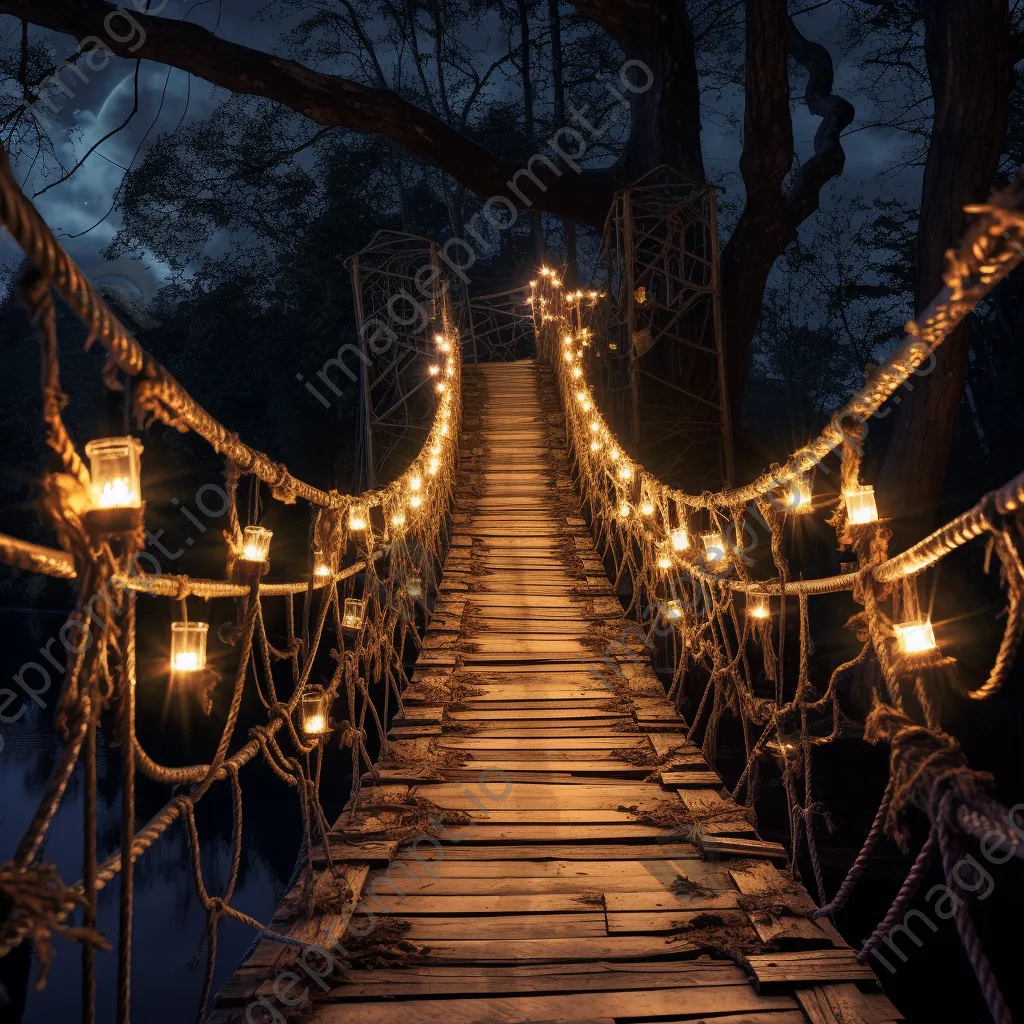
397	285
500	327
660	369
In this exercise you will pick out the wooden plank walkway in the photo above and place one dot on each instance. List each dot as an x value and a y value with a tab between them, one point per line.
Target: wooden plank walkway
556	884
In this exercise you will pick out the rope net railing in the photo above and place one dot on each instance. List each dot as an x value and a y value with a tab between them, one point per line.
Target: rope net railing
351	621
686	562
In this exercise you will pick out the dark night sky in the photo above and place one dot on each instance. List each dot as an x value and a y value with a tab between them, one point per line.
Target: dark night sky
168	96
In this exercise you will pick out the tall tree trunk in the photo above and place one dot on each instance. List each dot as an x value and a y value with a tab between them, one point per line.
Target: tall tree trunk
557	71
968	50
536	223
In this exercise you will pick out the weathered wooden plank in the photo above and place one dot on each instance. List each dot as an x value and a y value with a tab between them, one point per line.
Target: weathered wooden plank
807	967
661	1003
845	1004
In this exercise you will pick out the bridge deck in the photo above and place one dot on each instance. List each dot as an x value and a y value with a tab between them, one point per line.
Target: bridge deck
552	890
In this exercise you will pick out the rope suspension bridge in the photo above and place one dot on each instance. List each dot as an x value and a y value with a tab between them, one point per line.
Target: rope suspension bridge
543	836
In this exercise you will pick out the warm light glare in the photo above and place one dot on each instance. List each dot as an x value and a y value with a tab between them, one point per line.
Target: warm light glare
647	508
757	606
114	472
625	473
398	519
568	356
664	557
624	510
256	543
797	495
440	385
414	483
188	646
595	445
435	370
680	539
314	713
916	636
322	570
674	609
577	372
860	505
714	546
415	501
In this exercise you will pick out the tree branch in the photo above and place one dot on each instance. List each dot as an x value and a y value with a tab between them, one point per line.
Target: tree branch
324	99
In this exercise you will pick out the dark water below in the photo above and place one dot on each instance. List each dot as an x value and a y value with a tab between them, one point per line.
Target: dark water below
169	920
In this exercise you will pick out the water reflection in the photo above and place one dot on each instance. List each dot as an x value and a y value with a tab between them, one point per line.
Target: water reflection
170	924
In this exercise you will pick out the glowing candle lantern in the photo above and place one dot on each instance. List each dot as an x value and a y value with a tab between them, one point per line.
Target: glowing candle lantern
435	370
673	610
314	713
714	546
758	606
256	544
357	517
624	510
915	636
188	646
414	587
625	473
680	539
860	505
114	469
664	556
355	612
647	509
322	570
797	495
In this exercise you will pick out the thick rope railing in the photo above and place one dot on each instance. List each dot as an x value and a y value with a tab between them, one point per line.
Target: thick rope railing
373	562
687	562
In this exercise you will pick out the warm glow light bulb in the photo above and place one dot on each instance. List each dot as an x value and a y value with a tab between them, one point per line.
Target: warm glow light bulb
322	570
647	509
577	372
415	501
680	539
625	473
594	426
435	370
398	519
595	445
624	510
414	483
440	387
757	607
568	357
714	546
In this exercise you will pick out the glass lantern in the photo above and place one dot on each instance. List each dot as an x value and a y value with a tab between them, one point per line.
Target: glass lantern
915	636
624	510
758	607
355	612
188	646
322	570
314	713
664	553
414	587
114	470
680	539
256	544
357	517
714	546
647	508
860	505
796	495
673	610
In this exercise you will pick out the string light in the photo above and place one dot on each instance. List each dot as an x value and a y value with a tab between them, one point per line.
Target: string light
624	510
567	340
577	372
647	508
595	445
432	467
415	501
188	646
664	556
415	483
673	610
625	473
398	519
915	636
860	505
595	426
568	356
323	569
614	454
680	539
441	386
434	370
